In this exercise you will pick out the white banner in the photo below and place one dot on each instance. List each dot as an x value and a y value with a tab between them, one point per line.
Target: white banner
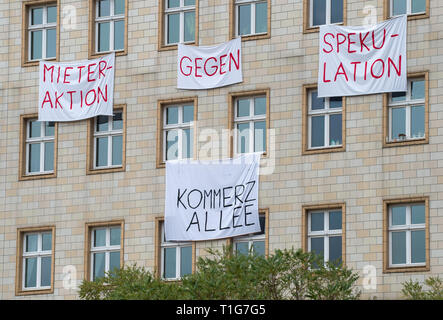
212	199
209	67
362	60
76	90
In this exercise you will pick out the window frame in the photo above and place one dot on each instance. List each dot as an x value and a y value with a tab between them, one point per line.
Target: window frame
387	114
308	16
387	8
233	20
93	29
27	28
20	290
306	124
163	24
387	229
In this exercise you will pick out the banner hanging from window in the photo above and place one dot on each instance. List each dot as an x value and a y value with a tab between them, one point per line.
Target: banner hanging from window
212	199
76	90
362	60
209	67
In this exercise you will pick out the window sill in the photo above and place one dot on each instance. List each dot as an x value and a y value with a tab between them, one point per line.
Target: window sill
34	292
407	269
36	62
252	37
324	150
307	30
414	16
410	142
105	170
169	47
102	54
38	176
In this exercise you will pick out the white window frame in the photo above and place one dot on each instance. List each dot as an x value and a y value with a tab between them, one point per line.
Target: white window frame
177	245
180	127
182	10
250	239
42	140
44	27
109	134
326	233
326	112
328	14
408	103
408	9
39	254
112	18
239	3
408	228
107	249
251	119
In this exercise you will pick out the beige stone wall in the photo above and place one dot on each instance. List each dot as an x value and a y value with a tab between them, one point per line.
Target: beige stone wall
361	177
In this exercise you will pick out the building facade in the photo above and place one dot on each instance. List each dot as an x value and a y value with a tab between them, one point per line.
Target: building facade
358	178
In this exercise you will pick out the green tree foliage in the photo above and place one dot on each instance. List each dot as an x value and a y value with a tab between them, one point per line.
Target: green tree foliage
413	290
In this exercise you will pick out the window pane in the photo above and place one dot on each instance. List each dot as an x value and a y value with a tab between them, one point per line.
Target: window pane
36	44
119	7
35	129
189	2
418	246
99	237
46	241
185	261
189	26
117	150
172	115
243	138
335	102
418	89
418	6
52	14
30	272
317	131
259	106
119	35
46	272
418	122
259	248
104	8
318	246
102	123
398	247
171	145
398	216
173	28
103	36
115	236
316	102
102	152
117	121
243	107
319	12
244	19
187	143
398	96
169	263
335	220
173	3
99	265
188	113
114	260
335	129
335	253
398	7
37	16
336	11
262	219
261	17
49	129
259	136
49	156
398	123
418	214
31	242
317	221
34	157
242	248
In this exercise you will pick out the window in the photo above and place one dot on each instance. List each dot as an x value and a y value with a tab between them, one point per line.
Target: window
325	123
109	26
407	234
38	148
36	260
180	21
177	130
40	31
108	142
105	248
323	12
251	18
409	7
324	231
407	113
176	258
255	243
